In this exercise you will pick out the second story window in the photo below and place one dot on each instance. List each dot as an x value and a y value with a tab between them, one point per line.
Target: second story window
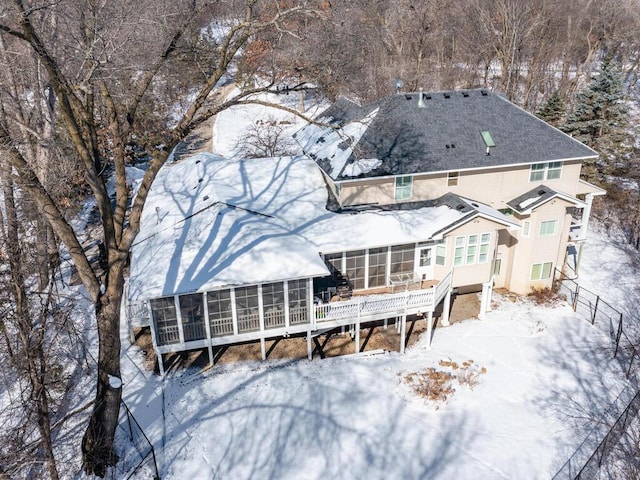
403	188
548	228
545	171
452	179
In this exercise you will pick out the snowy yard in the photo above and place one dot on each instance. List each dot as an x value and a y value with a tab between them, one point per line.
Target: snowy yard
356	418
350	417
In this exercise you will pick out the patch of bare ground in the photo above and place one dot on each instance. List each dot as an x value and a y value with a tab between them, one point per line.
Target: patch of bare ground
373	337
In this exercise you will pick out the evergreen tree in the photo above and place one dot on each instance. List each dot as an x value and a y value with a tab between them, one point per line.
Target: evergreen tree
552	111
601	119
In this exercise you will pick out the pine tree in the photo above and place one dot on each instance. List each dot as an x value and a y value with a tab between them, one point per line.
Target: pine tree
552	111
601	119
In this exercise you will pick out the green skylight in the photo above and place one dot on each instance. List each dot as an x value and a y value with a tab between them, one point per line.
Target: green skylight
488	139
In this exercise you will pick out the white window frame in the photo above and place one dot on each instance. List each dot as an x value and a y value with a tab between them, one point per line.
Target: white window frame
540	275
544	228
526	228
403	192
539	172
441	255
452	179
471	249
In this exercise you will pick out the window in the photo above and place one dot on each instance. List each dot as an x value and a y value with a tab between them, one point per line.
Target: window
403	188
354	263
471	249
440	254
377	267
541	271
459	251
526	228
220	313
548	228
334	262
488	139
545	171
192	315
452	179
497	266
298	311
483	257
402	258
273	305
165	320
247	309
425	257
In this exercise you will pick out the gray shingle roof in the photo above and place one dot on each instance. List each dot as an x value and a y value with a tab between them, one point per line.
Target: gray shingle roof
535	197
444	135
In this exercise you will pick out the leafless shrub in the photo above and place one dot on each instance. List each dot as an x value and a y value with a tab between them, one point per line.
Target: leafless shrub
547	296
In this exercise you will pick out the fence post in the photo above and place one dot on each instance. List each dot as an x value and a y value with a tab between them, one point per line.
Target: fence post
618	335
575	297
595	311
633	356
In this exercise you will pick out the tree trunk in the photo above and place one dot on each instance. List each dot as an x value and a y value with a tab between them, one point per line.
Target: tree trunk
98	451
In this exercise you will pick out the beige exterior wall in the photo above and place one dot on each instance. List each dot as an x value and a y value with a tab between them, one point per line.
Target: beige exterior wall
537	249
476	273
494	187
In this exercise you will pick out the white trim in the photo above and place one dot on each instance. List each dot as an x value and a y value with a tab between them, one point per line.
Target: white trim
345	181
176	302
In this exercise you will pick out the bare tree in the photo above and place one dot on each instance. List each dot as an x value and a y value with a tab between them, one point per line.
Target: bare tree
106	63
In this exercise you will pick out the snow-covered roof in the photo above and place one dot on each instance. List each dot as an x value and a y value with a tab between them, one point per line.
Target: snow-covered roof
529	201
211	222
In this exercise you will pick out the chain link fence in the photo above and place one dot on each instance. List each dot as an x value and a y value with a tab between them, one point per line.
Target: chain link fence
137	455
586	461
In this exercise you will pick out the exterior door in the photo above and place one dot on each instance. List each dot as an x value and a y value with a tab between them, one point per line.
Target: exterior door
425	260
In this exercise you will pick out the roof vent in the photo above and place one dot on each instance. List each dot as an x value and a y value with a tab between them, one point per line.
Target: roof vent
447	95
200	180
460	207
427	96
205	198
453	145
420	100
541	192
474	204
198	161
465	94
484	93
448	146
408	97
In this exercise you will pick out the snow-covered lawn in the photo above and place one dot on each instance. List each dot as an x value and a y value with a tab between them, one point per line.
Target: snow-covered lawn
547	371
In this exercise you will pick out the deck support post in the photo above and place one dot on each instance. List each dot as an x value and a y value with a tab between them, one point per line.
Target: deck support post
210	351
386	323
485	302
446	309
263	349
309	349
403	332
429	328
160	363
357	342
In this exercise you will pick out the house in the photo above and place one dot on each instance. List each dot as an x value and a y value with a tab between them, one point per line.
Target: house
392	208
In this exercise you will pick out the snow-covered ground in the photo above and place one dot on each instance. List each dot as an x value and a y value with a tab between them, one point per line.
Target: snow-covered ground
547	373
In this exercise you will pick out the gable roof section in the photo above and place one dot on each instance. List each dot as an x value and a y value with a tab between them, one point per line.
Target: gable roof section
212	223
473	210
396	136
529	201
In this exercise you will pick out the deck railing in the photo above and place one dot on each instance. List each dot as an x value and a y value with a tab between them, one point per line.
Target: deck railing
393	303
